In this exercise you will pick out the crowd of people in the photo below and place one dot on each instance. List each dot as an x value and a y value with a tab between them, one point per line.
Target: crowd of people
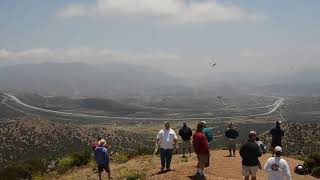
276	167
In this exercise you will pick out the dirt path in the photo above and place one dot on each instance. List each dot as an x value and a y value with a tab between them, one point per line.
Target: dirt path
221	168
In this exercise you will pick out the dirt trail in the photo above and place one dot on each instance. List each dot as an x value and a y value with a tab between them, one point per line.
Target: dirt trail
221	168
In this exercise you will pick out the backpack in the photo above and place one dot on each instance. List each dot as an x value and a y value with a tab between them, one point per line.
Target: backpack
300	169
263	148
208	133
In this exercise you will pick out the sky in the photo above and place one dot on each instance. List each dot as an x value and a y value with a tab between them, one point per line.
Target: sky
179	37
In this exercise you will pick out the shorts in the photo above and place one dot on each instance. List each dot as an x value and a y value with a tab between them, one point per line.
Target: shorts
186	144
203	160
102	167
232	143
249	170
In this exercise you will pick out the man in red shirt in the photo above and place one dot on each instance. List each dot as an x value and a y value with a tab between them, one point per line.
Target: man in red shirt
201	148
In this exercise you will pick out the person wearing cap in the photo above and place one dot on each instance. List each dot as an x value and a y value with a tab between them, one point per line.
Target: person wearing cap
201	148
207	132
277	133
101	155
231	135
185	132
276	167
166	139
250	152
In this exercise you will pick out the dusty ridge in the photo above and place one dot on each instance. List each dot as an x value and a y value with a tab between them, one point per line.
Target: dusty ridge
221	168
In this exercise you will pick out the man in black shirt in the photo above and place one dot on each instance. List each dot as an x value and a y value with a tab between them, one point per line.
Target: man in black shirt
232	135
277	134
249	153
185	132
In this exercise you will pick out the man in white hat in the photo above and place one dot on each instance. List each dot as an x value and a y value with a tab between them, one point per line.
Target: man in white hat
276	167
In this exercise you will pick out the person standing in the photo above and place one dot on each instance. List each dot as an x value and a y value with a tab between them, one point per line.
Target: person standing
277	133
166	139
276	167
101	155
207	132
232	136
185	132
250	152
201	148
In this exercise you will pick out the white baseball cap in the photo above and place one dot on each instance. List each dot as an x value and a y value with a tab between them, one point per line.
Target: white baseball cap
278	149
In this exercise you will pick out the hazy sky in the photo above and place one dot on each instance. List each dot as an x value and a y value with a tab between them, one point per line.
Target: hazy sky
175	36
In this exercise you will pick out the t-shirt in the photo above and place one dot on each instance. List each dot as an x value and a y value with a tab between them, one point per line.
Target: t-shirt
200	143
283	171
185	133
101	155
167	137
277	134
231	134
208	133
249	153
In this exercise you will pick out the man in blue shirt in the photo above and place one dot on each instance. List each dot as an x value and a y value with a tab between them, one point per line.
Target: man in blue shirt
102	158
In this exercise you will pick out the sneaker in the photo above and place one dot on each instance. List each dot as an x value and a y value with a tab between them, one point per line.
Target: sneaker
183	156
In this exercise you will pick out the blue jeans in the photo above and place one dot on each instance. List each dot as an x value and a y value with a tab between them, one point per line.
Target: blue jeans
165	156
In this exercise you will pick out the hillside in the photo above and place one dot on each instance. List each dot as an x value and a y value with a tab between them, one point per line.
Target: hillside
300	140
32	137
221	168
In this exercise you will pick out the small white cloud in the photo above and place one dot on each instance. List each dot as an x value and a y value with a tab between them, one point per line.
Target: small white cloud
73	10
162	11
4	54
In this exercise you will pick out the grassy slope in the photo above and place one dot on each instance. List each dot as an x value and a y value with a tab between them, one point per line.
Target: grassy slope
221	168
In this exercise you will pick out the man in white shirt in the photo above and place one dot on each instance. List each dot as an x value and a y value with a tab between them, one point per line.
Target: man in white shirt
277	168
166	139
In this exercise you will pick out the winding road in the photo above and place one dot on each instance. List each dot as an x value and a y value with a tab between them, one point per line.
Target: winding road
7	96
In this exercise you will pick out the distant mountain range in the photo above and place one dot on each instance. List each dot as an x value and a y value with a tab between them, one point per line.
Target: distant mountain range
79	78
301	83
112	79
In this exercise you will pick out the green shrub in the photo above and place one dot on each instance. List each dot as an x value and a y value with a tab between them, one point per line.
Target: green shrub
64	164
24	170
121	157
15	172
313	164
316	172
81	158
75	159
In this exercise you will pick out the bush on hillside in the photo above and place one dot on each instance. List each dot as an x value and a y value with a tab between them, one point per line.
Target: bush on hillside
121	157
313	164
75	159
24	170
316	172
